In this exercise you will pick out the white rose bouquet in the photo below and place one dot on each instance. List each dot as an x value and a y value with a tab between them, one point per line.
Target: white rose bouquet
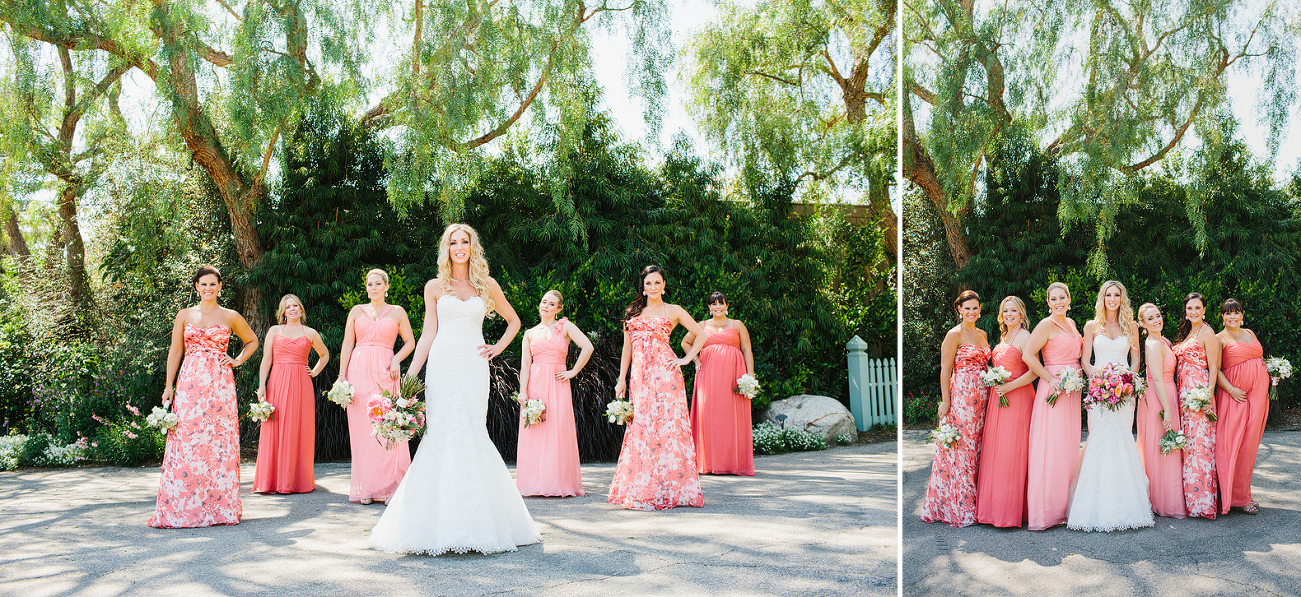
162	419
340	393
747	386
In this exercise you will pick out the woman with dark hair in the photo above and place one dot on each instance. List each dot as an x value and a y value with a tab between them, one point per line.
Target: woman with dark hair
199	486
1242	403
964	354
657	463
720	416
286	448
1197	352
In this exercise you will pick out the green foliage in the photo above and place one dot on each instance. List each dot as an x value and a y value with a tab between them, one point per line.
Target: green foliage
125	440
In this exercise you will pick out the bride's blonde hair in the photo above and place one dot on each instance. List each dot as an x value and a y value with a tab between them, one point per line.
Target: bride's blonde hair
1124	312
478	265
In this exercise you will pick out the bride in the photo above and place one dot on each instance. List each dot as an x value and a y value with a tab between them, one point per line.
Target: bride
1110	490
457	495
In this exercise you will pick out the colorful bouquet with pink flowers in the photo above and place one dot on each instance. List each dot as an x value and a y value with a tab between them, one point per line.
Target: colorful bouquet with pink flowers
1111	387
395	418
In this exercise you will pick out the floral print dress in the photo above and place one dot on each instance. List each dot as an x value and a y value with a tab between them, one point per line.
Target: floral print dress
951	494
657	463
200	479
1200	487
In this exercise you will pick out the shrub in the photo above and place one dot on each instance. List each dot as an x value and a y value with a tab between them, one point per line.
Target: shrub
127	441
768	438
844	439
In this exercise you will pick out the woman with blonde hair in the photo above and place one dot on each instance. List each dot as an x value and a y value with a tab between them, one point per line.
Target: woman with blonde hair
287	442
371	368
458	495
1004	449
1158	412
1054	427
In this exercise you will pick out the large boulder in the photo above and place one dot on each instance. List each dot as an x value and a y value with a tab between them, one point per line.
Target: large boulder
822	415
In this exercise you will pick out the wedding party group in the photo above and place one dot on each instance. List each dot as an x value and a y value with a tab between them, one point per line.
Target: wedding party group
456	494
1008	447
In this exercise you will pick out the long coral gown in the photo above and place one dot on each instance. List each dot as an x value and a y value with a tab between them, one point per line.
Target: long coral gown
1241	424
657	463
199	486
720	417
1200	487
376	471
1005	448
287	442
546	461
1054	436
951	492
1165	476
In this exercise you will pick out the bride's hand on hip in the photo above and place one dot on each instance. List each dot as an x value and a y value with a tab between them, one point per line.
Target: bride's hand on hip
489	351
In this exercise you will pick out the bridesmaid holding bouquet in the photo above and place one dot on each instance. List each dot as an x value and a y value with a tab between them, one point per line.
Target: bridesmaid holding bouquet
1054	427
1242	402
1197	351
546	461
287	443
199	485
720	416
1158	412
1004	451
964	354
370	368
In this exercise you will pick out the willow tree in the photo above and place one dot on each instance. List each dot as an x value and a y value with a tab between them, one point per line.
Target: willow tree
802	90
1107	88
235	77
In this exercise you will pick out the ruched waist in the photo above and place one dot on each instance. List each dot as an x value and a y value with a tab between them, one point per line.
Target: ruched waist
388	345
299	362
548	360
1075	364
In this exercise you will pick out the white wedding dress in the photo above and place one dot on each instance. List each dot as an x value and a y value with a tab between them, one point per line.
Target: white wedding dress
457	495
1110	489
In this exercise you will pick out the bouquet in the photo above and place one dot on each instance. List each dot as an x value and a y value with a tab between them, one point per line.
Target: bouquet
1198	399
1172	440
1068	381
994	377
398	417
340	393
163	419
747	386
1111	387
1140	385
260	410
1279	368
619	412
946	435
533	412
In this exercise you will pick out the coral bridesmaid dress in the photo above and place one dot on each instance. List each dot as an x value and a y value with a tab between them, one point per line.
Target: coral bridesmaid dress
1004	451
951	493
1240	424
546	461
1165	477
200	481
1200	487
376	471
287	443
1054	437
657	463
720	417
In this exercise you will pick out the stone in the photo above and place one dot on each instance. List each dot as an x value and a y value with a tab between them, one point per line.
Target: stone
822	415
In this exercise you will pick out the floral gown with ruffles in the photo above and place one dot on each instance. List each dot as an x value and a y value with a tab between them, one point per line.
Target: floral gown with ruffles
1200	487
657	463
951	493
199	486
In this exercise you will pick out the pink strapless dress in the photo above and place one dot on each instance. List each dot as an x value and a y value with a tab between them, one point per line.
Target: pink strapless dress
1200	487
1241	424
376	471
720	417
1054	437
287	443
951	492
1165	478
546	460
1004	451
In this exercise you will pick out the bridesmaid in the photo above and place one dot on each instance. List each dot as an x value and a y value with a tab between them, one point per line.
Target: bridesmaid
1242	402
720	417
199	485
546	461
1054	429
1004	451
657	463
1197	351
373	327
951	493
1157	413
287	443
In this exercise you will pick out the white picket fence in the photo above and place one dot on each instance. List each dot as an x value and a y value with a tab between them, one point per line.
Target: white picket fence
873	387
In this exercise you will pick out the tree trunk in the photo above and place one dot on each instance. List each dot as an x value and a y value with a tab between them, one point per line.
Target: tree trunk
14	237
886	218
75	248
920	169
